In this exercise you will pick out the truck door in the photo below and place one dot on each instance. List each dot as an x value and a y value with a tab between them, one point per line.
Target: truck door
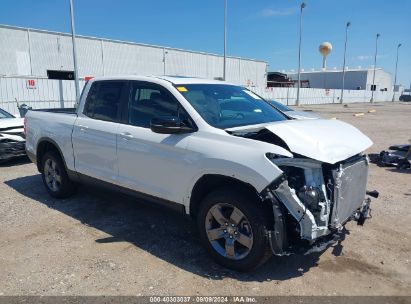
152	163
95	130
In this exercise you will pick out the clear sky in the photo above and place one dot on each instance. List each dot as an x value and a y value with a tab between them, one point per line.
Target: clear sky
261	29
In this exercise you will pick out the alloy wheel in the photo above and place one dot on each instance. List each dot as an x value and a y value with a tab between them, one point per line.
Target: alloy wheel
229	231
52	175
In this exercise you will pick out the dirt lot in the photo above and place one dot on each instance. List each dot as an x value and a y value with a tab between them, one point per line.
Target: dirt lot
100	243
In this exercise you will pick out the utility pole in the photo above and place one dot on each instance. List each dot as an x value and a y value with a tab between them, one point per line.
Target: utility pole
225	40
302	6
396	68
345	53
73	37
375	64
164	61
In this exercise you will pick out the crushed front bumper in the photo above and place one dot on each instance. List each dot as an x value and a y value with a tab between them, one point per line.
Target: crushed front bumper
344	199
11	149
282	245
304	247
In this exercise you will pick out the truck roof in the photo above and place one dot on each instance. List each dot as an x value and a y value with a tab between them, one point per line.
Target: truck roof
176	80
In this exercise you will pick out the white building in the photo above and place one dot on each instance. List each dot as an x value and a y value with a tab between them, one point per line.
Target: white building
355	79
30	52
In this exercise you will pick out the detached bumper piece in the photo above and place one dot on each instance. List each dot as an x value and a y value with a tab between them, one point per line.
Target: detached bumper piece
398	156
11	149
365	211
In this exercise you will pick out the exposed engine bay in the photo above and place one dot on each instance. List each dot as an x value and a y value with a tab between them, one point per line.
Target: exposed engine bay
320	198
313	199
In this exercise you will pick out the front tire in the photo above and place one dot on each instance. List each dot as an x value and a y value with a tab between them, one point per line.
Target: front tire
55	177
232	228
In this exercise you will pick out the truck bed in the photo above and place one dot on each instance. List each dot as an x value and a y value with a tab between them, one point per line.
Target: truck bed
55	125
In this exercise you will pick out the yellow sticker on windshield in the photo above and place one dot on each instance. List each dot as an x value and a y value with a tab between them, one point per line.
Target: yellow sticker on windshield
182	89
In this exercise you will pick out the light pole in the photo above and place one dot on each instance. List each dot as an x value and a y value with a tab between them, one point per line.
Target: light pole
345	52
302	6
395	77
225	39
73	38
375	64
164	61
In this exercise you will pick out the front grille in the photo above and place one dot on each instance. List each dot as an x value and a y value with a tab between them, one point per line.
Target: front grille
350	185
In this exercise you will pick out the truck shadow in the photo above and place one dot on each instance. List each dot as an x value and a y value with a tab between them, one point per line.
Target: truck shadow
15	162
163	233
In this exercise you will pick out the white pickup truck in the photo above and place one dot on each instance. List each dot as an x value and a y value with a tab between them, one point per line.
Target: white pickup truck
254	179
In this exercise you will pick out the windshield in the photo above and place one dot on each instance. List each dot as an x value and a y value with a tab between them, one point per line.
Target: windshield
228	106
4	114
279	106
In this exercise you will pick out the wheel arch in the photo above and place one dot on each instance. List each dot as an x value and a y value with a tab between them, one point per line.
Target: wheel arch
44	145
209	182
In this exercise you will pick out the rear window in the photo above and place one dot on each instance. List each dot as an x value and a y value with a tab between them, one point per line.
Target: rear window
104	100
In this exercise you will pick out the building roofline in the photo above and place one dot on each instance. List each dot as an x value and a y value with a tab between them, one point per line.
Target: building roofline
337	71
124	42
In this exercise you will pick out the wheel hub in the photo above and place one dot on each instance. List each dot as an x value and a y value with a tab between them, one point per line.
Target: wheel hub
231	230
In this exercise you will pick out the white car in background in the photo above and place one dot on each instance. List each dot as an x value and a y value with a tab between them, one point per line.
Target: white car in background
292	113
12	139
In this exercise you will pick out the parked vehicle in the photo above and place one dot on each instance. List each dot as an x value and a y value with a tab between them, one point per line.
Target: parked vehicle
293	113
405	97
12	140
253	179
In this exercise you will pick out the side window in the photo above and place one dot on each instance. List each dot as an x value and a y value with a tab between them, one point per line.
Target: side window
149	101
103	100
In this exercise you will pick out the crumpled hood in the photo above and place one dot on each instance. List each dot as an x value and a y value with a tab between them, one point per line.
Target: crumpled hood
328	141
302	115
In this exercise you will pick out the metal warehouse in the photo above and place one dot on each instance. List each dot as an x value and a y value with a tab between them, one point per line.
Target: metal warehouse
31	52
355	79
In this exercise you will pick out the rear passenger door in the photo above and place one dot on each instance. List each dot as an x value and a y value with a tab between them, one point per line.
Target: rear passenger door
152	163
95	131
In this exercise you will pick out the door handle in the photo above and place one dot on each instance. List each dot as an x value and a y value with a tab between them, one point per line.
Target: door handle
82	128
126	135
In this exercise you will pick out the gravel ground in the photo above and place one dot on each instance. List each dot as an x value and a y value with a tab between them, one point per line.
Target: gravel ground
100	243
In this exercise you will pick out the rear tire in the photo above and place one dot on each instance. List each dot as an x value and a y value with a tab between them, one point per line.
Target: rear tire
55	177
232	228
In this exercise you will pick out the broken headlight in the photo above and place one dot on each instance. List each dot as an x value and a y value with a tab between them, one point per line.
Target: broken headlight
272	156
311	196
308	185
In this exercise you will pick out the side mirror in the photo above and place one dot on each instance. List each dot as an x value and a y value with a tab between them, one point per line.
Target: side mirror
168	125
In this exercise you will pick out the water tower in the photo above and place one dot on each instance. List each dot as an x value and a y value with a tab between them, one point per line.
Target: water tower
325	49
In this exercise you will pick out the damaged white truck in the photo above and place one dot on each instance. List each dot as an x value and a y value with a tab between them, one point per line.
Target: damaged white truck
255	180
